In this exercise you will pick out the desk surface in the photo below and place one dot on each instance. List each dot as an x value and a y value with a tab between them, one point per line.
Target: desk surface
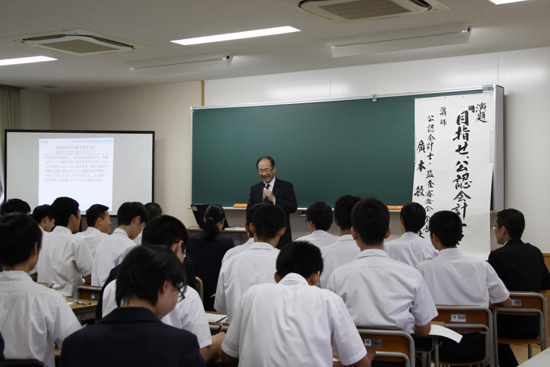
84	309
541	359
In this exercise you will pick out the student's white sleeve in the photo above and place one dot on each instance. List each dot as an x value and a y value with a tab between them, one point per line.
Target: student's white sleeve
220	303
63	322
193	318
345	337
83	258
109	298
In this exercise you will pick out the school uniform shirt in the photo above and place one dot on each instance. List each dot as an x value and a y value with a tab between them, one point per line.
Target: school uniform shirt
343	251
410	249
64	259
319	238
32	318
93	237
272	319
383	293
187	315
237	249
457	279
109	253
255	265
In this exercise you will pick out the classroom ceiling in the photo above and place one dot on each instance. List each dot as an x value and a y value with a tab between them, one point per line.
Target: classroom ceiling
153	23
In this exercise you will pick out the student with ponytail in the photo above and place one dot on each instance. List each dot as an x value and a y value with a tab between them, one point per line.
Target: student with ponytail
206	250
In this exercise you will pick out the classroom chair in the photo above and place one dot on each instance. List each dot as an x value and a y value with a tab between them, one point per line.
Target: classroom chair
200	288
389	345
469	319
526	304
88	292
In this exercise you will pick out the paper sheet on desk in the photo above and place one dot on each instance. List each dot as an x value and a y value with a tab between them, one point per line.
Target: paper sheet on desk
215	317
439	330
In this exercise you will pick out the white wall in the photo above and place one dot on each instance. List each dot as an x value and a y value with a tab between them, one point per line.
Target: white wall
35	110
163	108
525	75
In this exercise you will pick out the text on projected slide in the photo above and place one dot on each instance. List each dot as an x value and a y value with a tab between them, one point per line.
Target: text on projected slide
78	168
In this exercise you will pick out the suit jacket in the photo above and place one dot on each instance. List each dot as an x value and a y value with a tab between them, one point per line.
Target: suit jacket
286	199
131	336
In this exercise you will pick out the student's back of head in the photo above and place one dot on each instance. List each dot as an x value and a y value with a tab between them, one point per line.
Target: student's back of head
145	270
268	220
15	206
371	220
447	226
19	233
513	220
249	215
414	217
62	209
213	215
129	210
43	213
95	212
320	214
342	210
165	230
301	258
153	210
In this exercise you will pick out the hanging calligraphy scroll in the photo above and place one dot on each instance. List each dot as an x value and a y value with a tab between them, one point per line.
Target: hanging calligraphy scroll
454	159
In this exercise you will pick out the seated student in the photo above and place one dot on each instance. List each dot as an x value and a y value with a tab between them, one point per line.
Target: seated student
110	252
148	286
293	323
521	267
238	249
32	317
153	211
457	279
410	248
98	220
189	312
207	250
344	250
15	206
65	258
256	264
319	220
381	292
42	214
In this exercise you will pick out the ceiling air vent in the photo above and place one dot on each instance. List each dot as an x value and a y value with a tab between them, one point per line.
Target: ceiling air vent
351	10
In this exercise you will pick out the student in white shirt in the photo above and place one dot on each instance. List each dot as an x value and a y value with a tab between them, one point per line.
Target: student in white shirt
32	317
319	217
238	249
98	220
42	214
410	248
293	323
154	210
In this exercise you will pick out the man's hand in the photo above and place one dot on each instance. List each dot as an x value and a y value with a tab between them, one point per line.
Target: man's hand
269	195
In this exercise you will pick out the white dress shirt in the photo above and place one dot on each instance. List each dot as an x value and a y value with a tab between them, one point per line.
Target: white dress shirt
32	318
187	315
343	251
383	293
410	249
237	249
93	237
64	259
292	324
457	279
255	265
319	238
109	253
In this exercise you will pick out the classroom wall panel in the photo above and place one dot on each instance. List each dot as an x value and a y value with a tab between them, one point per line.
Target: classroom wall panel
35	110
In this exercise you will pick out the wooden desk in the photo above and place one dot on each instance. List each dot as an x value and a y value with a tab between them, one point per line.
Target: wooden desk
84	311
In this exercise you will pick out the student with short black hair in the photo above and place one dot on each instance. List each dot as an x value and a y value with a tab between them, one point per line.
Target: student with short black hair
293	323
319	217
238	249
148	286
411	248
42	214
32	317
381	292
256	264
15	206
154	210
131	218
98	220
65	258
207	250
344	249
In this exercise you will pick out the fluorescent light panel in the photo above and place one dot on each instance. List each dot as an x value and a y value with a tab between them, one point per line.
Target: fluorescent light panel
500	2
25	60
236	35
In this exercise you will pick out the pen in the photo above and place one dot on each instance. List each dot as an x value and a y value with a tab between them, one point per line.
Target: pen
51	285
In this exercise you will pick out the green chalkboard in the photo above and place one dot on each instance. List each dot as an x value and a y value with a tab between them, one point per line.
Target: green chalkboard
326	149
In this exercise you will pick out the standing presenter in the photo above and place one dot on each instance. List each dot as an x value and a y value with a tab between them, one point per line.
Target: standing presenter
274	191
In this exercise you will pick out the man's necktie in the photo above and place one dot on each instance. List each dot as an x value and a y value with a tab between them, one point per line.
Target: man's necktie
266	200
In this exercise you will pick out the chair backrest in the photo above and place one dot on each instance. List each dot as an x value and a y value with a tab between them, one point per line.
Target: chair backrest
389	345
88	292
200	287
470	319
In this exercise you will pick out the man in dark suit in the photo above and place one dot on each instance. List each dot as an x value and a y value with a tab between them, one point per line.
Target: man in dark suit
274	191
521	267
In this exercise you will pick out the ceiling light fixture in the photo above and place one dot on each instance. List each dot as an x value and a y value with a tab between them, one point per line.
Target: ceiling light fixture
26	60
236	35
409	39
180	65
500	2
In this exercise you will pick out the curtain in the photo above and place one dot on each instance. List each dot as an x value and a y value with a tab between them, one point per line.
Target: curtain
10	118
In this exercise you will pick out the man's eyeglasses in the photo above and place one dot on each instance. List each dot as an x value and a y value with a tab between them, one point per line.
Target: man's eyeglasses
265	170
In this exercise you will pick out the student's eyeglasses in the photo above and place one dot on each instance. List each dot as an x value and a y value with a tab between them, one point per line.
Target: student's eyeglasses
493	227
307	221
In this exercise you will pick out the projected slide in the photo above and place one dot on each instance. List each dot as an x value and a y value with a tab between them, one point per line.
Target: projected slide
78	168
